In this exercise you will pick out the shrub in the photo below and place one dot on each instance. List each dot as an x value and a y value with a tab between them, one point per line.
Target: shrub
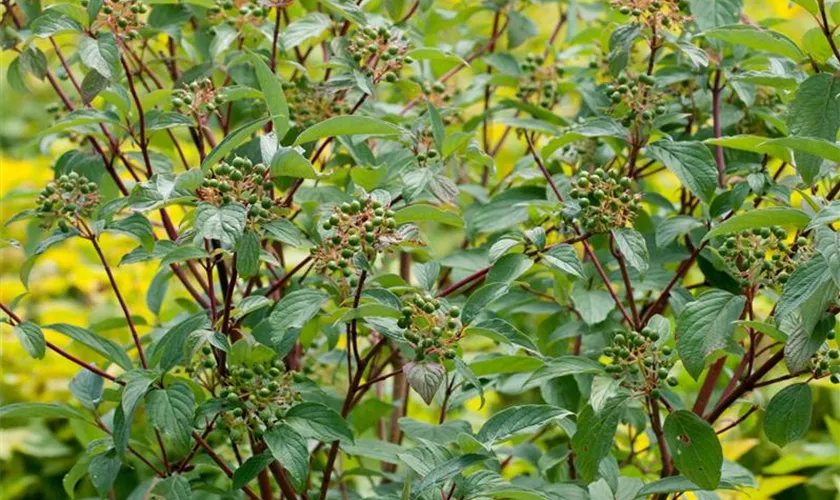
592	234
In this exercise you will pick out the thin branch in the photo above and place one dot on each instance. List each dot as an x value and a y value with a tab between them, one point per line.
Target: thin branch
221	463
454	71
716	118
738	421
129	319
826	30
586	247
61	352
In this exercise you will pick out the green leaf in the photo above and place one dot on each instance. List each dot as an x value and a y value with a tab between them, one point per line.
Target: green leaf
76	473
504	63
435	54
382	451
297	308
563	258
706	326
767	79
520	29
78	119
225	223
101	55
162	190
103	470
273	95
691	162
105	347
756	38
695	448
733	477
348	125
501	331
34	62
40	410
136	226
766	328
424	378
285	231
16	76
563	366
670	229
632	246
175	487
87	387
248	255
300	30
32	338
480	299
317	421
162	120
505	364
170	350
761	217
828	244
231	142
789	414
424	212
828	214
395	8
805	282
809	5
814	112
446	470
470	378
289	162
621	43
509	421
52	22
182	254
594	306
250	470
92	85
172	411
594	437
289	448
713	13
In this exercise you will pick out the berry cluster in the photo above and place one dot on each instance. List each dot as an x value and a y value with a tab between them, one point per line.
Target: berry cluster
362	226
633	101
667	13
423	148
242	182
379	52
121	17
762	257
432	328
437	93
640	361
606	201
540	83
55	110
67	199
197	98
827	362
238	13
311	103
256	397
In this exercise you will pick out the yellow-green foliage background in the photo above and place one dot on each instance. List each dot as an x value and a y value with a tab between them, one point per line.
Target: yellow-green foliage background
69	286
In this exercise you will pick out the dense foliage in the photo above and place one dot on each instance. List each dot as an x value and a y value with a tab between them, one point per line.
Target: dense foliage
614	236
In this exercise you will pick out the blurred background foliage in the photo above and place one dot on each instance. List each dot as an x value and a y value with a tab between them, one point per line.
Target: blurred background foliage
68	285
